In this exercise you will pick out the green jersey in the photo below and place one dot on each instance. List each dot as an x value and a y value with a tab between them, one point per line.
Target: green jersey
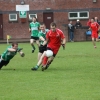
34	28
8	55
42	34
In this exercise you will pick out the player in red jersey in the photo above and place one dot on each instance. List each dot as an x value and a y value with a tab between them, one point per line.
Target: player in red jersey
94	26
54	39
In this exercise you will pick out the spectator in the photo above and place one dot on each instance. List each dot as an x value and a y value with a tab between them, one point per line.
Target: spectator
78	24
71	31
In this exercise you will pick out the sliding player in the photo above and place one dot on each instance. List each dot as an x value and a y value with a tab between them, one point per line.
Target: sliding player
9	54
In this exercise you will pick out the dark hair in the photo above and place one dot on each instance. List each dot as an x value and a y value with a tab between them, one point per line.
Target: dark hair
14	43
42	23
53	24
35	18
92	18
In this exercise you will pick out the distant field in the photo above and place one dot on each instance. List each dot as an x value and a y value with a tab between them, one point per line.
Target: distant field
74	75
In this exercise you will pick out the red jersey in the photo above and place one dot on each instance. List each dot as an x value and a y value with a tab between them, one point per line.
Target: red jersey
55	38
94	27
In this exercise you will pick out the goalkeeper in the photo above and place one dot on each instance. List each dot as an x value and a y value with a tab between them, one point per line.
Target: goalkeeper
9	54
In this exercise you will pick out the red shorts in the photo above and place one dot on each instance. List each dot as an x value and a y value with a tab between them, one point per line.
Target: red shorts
94	35
54	49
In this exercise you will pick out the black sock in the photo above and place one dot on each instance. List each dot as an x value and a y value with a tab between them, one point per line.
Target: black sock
33	47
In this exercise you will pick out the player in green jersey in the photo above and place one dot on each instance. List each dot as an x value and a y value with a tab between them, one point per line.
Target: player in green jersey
34	29
42	37
10	52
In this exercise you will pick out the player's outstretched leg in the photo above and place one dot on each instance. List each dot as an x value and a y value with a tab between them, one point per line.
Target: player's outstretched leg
1	64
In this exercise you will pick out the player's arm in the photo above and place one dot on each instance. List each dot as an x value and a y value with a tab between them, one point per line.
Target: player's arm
63	43
98	31
41	38
47	39
29	28
98	26
89	28
45	42
63	39
21	52
11	50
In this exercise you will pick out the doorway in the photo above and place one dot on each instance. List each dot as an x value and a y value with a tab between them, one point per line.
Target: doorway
47	19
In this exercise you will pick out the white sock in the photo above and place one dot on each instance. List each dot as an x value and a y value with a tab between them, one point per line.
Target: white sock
0	58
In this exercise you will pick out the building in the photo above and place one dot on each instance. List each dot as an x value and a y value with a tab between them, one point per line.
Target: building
47	11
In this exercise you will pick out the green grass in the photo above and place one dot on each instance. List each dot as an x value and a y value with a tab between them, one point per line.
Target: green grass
74	75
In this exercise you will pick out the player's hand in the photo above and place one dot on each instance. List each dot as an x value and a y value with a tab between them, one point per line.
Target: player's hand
22	54
63	45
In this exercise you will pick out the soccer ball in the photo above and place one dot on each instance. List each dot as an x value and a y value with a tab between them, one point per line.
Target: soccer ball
49	53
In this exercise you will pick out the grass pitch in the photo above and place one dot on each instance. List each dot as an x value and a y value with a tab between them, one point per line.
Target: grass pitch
73	75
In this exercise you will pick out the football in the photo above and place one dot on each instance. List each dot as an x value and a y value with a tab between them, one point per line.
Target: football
49	53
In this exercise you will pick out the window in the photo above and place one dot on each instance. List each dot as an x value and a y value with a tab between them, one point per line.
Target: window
12	17
78	15
32	15
73	14
83	14
94	0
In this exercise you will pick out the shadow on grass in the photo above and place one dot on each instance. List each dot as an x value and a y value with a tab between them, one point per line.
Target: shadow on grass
50	69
